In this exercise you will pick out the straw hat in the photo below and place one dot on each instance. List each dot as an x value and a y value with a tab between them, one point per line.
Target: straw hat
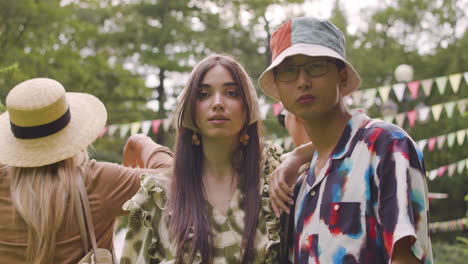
44	125
310	37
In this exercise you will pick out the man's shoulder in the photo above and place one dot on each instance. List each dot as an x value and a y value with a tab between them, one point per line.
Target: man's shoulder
381	130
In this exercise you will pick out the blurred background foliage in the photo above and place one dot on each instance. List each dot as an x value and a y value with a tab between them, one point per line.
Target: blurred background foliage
135	56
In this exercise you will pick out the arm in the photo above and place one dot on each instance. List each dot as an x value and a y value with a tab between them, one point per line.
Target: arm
402	253
282	180
141	151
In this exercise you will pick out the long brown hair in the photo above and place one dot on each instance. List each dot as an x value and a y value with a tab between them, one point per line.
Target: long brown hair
186	201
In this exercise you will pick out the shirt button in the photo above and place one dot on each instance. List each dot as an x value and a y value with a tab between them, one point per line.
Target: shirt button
336	207
312	193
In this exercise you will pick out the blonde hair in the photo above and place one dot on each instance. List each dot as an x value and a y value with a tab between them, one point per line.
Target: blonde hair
44	197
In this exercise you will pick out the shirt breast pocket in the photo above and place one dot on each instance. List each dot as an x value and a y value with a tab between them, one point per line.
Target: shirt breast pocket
342	218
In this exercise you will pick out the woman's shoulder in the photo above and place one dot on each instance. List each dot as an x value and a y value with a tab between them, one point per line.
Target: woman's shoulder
271	156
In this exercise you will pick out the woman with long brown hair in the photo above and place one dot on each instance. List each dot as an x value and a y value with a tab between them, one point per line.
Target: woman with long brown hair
44	136
214	206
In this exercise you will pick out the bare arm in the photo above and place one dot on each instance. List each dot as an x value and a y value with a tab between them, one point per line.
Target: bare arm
402	253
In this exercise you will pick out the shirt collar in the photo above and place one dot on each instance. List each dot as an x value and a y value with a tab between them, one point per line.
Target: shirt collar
357	121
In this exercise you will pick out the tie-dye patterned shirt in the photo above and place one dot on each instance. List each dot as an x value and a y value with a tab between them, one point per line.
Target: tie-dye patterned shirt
370	193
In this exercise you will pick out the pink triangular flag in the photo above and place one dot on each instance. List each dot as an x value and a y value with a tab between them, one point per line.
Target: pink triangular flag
399	90
441	171
441	141
156	124
277	108
455	81
400	119
412	116
384	92
431	143
104	130
414	87
436	111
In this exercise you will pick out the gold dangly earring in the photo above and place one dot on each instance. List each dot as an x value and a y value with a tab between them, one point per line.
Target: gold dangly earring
195	139
244	139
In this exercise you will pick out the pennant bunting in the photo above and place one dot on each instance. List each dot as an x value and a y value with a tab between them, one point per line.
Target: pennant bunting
462	106
370	96
124	130
156	123
400	119
431	143
451	169
112	129
460	166
441	141
441	171
104	130
441	84
399	90
421	144
146	126
384	92
414	87
264	111
277	108
423	113
465	75
449	107
455	81
461	137
436	111
357	96
450	139
432	175
412	116
427	86
134	127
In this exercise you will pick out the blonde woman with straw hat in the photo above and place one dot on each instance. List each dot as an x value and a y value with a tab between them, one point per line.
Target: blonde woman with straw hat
44	135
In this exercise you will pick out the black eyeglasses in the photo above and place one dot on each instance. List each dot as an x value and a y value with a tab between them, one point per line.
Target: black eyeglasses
289	73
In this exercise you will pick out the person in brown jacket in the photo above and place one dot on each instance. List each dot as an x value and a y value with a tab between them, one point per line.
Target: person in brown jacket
44	136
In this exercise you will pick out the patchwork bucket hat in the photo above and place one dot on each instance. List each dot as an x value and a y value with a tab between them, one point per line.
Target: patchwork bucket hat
310	37
43	124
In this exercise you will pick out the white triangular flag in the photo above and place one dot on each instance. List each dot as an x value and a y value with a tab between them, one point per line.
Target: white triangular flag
167	123
461	136
124	130
424	112
432	174
422	143
436	111
399	90
369	95
384	92
388	119
441	141
400	119
146	126
357	96
451	139
134	127
264	111
112	129
449	107
427	86
462	106
441	83
451	169
455	81
460	166
465	75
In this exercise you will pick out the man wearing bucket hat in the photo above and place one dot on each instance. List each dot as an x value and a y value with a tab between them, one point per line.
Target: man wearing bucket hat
43	137
364	197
